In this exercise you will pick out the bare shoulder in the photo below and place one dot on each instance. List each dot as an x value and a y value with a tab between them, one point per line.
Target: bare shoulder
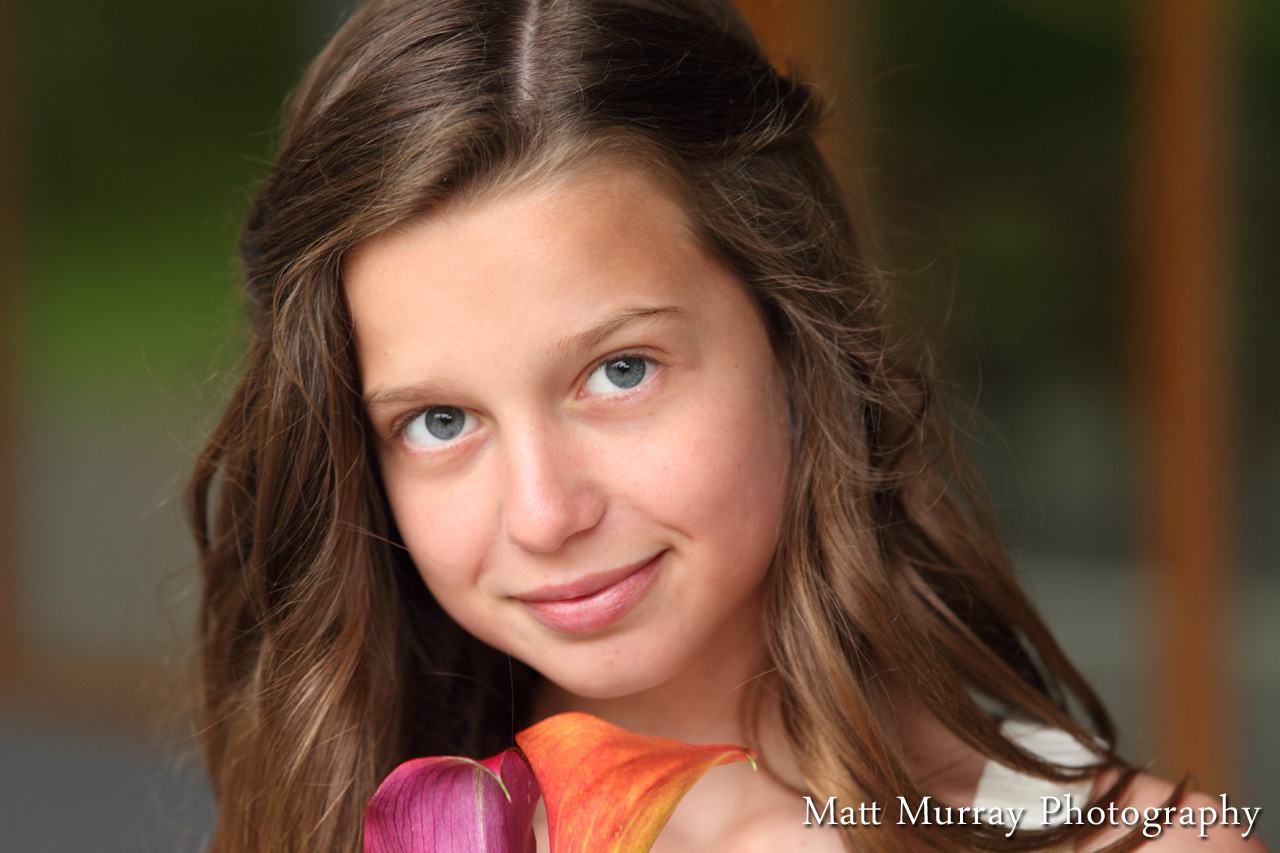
1196	823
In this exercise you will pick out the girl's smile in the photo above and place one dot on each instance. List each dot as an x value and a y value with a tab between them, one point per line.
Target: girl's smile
581	426
594	601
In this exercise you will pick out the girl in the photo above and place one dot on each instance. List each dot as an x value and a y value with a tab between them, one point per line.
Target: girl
557	308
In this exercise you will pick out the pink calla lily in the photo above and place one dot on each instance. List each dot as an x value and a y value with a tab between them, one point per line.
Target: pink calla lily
608	790
454	805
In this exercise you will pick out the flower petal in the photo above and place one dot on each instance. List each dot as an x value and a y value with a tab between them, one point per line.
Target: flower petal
454	805
608	790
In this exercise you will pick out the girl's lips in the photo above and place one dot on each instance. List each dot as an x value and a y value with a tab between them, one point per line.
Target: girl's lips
605	601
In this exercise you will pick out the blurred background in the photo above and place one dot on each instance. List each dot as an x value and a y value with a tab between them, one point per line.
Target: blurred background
1084	193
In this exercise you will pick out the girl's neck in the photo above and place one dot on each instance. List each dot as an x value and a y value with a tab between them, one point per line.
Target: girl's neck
705	705
708	703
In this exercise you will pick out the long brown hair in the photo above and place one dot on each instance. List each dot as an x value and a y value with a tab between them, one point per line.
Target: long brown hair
325	660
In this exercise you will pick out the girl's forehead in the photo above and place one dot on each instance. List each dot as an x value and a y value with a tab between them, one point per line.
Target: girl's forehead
555	188
526	269
605	219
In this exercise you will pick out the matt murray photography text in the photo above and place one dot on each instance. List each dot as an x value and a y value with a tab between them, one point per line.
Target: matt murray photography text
1053	811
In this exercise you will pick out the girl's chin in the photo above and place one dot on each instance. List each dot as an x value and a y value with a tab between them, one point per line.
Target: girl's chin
566	691
601	689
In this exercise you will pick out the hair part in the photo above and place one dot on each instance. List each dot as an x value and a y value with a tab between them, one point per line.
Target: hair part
326	662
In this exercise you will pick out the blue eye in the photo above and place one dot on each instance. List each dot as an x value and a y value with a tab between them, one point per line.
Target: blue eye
439	425
618	374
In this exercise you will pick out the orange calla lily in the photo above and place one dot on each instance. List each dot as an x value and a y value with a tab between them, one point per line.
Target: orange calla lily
608	790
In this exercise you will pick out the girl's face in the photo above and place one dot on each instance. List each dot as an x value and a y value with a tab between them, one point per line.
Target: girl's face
581	427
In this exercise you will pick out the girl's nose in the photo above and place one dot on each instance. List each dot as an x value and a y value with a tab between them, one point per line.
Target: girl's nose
550	496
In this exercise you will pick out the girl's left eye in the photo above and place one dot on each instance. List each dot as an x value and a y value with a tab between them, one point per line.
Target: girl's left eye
621	373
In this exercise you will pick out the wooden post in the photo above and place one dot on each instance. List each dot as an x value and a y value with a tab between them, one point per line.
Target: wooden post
8	277
825	40
797	31
1182	307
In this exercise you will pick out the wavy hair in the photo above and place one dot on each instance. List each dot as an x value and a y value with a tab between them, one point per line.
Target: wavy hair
325	661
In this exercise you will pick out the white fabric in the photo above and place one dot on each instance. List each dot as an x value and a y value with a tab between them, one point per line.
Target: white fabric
1003	787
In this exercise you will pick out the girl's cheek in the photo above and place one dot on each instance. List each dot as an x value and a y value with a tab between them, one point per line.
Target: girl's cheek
736	451
442	530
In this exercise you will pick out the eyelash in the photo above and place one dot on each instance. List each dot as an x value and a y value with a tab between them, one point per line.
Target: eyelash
401	423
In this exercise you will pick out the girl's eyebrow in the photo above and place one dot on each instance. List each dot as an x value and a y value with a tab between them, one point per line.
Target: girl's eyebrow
593	337
568	347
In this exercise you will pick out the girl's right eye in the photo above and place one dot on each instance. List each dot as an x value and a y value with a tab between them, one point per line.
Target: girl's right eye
439	425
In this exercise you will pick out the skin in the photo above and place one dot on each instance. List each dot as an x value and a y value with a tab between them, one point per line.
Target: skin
511	309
